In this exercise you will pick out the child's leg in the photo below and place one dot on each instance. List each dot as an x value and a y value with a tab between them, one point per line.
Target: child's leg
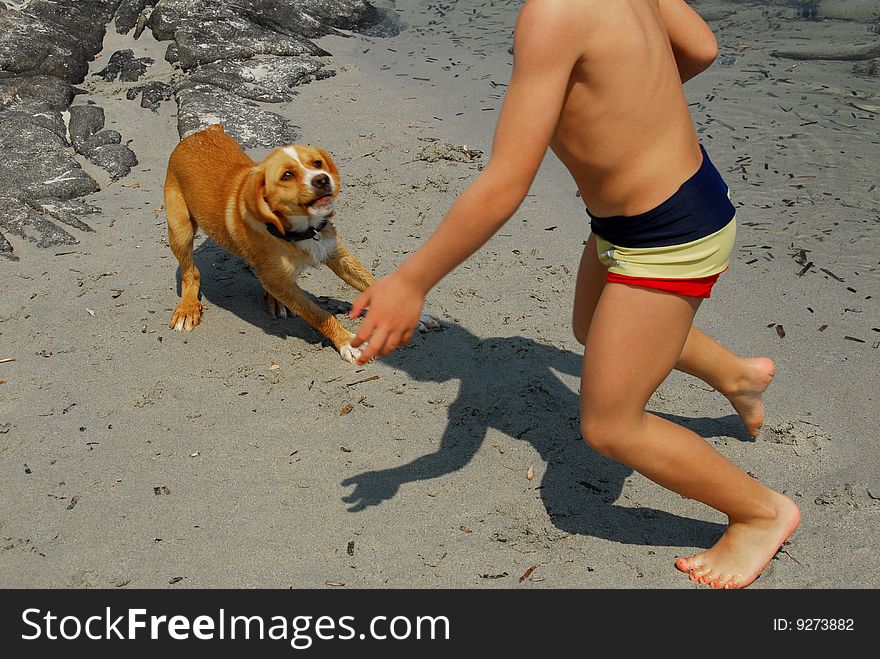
635	339
741	380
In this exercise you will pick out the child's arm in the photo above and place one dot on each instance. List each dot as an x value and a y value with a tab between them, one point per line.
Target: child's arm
544	55
693	43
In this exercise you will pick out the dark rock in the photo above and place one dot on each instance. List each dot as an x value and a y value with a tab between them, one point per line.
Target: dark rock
35	94
151	95
129	12
53	37
39	100
388	25
102	148
37	163
49	120
266	79
125	66
85	121
234	37
355	15
201	105
303	18
172	53
20	219
101	138
117	159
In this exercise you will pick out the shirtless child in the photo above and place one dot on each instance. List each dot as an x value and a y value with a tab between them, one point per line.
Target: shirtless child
601	84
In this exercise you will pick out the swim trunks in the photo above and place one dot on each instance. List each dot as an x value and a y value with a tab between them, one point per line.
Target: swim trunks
681	246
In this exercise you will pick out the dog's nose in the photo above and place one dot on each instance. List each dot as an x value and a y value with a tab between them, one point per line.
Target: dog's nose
321	182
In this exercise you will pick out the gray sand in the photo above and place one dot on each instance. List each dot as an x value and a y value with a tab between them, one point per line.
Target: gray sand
134	456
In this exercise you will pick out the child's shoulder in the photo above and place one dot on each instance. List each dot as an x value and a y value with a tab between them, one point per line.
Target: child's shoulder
558	19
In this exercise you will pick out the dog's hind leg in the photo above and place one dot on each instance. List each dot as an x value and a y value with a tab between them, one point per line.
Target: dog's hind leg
276	309
181	231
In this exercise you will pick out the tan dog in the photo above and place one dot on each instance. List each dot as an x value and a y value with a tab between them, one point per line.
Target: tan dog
275	215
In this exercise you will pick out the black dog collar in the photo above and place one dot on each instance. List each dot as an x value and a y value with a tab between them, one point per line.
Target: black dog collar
295	236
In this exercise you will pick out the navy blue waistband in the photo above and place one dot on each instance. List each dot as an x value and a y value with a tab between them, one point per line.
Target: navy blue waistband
698	208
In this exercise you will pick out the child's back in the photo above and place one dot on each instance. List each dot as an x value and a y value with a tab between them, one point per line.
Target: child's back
624	132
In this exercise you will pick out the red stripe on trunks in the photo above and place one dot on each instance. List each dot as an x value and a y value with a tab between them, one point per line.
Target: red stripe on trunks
695	287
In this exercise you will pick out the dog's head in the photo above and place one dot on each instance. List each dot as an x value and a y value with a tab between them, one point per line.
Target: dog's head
292	185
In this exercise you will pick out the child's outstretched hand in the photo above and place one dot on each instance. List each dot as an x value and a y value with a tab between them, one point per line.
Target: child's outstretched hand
394	309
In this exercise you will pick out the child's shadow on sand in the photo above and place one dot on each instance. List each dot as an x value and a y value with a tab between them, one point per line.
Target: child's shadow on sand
508	384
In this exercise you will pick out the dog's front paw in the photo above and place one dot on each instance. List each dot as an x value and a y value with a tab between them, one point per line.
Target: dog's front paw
428	322
186	316
350	353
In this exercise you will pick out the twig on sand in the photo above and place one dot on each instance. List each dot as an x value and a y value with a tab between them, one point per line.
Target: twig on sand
369	379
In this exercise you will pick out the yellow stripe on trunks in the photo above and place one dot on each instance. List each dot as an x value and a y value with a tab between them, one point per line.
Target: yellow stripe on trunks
699	258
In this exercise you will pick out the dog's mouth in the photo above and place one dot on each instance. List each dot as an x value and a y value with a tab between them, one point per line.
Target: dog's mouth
321	202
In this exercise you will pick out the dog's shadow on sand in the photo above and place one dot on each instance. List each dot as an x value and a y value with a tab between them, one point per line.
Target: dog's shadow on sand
509	384
229	283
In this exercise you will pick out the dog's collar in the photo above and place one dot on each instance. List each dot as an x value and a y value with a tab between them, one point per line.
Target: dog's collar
295	236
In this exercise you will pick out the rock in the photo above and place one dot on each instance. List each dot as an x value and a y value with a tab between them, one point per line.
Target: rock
868	69
388	25
234	38
201	105
85	121
35	94
117	159
129	12
55	38
20	219
101	138
304	18
151	95
266	79
102	148
125	66
49	120
37	163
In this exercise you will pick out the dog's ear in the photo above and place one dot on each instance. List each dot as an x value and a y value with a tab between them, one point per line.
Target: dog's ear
255	199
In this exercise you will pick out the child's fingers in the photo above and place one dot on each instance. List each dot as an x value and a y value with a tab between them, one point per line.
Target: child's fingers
363	334
361	302
374	347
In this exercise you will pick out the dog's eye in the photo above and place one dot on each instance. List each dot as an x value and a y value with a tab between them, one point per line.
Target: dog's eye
317	164
286	176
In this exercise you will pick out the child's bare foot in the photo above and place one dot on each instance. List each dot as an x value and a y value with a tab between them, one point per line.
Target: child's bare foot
744	550
747	395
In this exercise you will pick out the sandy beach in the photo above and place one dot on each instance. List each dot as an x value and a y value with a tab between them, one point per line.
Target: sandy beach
248	454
